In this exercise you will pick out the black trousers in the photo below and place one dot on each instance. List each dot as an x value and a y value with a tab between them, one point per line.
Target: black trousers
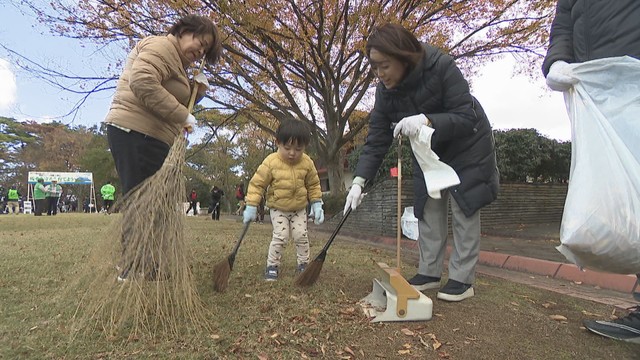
136	156
52	205
215	212
193	205
40	205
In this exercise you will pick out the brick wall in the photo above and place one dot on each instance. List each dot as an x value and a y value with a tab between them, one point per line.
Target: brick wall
516	204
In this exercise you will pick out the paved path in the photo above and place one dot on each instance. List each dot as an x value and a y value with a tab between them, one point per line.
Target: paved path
524	254
527	255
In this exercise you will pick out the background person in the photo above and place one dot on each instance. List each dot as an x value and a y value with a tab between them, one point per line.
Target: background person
149	108
584	30
3	200
13	200
240	198
290	180
108	192
216	198
422	86
53	192
261	210
39	197
193	202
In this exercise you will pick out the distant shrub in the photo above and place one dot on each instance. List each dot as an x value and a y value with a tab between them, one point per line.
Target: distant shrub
333	204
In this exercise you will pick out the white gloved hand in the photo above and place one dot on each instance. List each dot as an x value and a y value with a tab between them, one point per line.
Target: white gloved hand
249	214
354	198
410	125
190	123
317	213
201	80
559	77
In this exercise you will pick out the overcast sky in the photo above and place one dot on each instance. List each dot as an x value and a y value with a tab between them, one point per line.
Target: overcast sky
510	101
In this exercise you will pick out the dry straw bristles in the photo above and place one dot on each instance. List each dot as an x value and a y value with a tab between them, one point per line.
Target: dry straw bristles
222	270
311	274
158	296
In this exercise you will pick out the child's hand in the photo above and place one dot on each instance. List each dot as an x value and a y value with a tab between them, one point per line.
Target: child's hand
317	213
249	214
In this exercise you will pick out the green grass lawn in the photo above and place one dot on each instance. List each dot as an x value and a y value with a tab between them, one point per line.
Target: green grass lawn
41	259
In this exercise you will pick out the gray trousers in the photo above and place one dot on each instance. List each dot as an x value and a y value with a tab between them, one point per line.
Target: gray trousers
432	240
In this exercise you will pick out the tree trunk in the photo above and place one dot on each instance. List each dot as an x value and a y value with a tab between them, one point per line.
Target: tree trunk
335	174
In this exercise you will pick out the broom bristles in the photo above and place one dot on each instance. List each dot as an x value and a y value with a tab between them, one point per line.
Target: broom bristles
221	274
310	274
152	224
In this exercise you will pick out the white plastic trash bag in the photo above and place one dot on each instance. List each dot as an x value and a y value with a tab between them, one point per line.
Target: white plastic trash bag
409	224
437	175
601	221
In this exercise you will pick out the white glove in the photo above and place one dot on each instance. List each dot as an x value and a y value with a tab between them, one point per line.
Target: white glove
411	125
317	213
249	214
190	123
201	80
559	77
354	198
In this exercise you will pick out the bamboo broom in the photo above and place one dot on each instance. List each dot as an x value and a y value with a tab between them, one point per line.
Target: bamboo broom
312	272
152	225
223	269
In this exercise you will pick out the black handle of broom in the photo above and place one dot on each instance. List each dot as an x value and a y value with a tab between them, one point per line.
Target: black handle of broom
232	256
323	253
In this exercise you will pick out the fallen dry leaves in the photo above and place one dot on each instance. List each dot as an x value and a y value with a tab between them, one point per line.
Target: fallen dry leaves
560	318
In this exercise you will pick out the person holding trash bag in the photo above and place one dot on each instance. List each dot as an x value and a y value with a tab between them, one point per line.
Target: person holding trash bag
583	31
422	89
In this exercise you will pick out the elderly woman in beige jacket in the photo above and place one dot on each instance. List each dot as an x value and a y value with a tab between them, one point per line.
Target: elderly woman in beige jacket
149	108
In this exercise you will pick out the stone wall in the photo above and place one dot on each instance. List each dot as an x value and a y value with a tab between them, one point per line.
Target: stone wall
516	204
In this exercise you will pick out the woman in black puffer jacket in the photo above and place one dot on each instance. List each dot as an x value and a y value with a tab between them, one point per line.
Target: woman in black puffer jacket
584	30
421	85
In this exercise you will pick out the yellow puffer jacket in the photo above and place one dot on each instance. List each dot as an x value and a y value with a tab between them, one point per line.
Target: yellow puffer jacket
289	187
153	91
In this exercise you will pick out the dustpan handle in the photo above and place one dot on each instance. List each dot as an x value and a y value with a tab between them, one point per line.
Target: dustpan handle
399	204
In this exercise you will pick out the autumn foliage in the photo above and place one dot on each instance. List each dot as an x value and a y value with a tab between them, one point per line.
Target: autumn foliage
305	58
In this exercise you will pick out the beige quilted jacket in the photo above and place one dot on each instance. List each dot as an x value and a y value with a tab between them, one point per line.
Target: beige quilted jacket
153	91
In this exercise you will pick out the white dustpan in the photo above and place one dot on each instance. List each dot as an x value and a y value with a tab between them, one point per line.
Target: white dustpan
392	298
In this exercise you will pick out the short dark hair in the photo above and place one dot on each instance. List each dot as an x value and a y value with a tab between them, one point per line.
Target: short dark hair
394	40
200	26
293	131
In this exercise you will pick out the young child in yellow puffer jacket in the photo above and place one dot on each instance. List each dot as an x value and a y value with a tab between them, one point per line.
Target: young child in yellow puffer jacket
291	181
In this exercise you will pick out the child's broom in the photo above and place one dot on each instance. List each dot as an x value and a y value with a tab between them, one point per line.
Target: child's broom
312	272
223	269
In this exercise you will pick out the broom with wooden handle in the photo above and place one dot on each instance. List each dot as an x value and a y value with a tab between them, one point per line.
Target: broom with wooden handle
223	269
152	228
312	272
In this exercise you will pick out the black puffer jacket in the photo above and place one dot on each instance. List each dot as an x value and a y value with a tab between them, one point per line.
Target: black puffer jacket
584	30
463	138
